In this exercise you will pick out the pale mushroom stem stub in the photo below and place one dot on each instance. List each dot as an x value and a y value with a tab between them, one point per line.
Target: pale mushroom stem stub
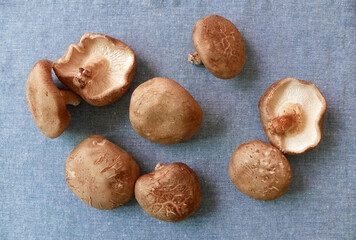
194	58
70	98
92	69
289	122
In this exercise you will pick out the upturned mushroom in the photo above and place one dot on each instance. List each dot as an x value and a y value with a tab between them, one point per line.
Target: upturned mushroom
292	113
46	102
99	68
171	193
164	112
260	170
219	46
101	174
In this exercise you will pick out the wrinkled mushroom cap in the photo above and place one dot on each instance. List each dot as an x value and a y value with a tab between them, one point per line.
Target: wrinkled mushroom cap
171	193
164	112
100	173
46	102
288	97
220	46
113	59
260	170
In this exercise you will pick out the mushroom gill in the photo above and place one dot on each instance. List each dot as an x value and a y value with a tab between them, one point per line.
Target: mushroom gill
292	114
99	68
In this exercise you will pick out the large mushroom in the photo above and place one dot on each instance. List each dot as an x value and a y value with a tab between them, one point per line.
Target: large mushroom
99	68
101	174
219	46
162	111
292	113
46	102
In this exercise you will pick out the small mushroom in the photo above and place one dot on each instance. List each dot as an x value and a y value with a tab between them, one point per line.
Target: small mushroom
101	174
260	170
46	102
171	193
292	113
164	112
99	68
219	46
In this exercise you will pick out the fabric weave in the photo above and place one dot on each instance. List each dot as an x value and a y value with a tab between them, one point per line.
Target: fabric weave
308	40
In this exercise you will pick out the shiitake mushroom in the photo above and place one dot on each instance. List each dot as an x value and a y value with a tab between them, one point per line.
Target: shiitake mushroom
292	114
100	173
99	68
46	102
164	112
171	193
219	46
260	170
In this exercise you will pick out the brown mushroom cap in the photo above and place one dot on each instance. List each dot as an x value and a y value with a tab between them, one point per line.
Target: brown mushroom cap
99	68
101	174
219	47
162	111
46	102
171	193
260	170
292	113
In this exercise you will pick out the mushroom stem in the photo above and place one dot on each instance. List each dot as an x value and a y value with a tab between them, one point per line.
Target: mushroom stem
91	69
194	58
283	124
70	97
159	166
288	122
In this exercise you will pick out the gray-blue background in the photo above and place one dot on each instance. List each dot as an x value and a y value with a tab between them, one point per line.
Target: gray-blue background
309	40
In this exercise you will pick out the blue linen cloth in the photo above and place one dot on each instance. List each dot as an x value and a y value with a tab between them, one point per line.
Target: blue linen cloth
309	40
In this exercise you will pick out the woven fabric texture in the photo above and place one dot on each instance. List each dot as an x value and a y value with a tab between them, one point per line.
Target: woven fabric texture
308	40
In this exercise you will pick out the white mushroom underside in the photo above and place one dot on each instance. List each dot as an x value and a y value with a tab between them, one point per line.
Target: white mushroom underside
120	61
306	96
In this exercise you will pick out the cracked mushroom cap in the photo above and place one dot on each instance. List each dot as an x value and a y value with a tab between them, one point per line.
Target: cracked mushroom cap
99	68
219	46
171	193
292	113
46	102
100	173
260	170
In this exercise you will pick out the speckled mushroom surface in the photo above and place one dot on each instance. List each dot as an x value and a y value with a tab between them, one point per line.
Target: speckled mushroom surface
171	193
292	113
219	46
164	112
100	173
260	170
99	68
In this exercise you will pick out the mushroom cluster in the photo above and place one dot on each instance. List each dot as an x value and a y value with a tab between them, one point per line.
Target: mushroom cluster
105	177
100	69
292	113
